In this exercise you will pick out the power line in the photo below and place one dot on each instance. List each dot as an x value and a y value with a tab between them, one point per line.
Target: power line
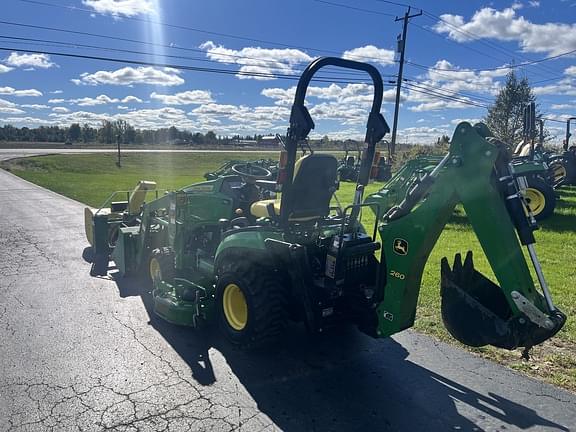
136	41
402	46
456	43
512	66
179	67
60	44
451	92
181	27
355	8
448	77
478	38
429	15
405	5
439	95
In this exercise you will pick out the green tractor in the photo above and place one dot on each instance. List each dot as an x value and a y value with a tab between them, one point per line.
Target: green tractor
567	164
228	251
542	170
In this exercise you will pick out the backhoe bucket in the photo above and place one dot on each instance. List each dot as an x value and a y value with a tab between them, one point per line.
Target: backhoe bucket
476	312
474	309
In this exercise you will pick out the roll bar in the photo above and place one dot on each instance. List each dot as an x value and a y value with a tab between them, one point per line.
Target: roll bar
568	134
301	123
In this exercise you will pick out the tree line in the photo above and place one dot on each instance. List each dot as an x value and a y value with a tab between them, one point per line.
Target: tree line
113	132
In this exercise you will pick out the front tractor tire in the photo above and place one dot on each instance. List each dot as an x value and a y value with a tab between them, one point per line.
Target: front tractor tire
161	265
540	197
252	304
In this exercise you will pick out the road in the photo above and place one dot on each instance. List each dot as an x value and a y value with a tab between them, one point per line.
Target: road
15	153
84	353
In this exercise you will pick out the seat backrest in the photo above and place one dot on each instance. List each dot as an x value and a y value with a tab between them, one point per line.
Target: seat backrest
138	195
315	181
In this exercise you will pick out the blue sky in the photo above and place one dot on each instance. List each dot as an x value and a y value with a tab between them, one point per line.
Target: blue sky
457	51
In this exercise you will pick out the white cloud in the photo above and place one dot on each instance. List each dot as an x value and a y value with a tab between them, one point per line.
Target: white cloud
35	106
563	106
25	121
446	81
370	54
129	99
262	61
60	110
56	92
4	69
215	109
7	104
534	3
8	107
98	100
41	61
189	97
20	93
437	105
343	134
129	76
146	118
505	25
565	86
422	135
472	121
122	7
280	95
122	107
350	94
348	104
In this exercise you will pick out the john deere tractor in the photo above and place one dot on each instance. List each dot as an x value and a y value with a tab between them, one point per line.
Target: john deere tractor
233	252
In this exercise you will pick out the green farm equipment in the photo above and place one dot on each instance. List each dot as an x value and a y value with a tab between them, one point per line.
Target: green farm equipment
542	170
349	165
567	166
228	251
260	167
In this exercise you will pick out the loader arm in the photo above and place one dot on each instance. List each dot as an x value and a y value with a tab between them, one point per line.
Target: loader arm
475	310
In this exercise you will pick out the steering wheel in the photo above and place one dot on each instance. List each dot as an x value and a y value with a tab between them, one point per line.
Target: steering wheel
250	172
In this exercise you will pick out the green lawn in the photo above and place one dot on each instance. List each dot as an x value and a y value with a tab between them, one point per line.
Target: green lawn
91	179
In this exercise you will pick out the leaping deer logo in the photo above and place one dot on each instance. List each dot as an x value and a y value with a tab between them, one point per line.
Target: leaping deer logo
400	246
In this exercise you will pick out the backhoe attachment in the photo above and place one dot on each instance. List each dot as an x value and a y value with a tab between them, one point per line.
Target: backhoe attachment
478	174
475	310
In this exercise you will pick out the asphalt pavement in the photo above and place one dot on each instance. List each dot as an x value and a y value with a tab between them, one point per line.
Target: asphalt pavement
85	353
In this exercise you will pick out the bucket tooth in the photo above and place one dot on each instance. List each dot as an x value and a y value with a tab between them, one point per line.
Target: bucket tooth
457	267
474	309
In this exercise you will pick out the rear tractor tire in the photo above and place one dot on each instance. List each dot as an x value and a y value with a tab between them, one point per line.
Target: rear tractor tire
252	304
161	265
559	172
540	197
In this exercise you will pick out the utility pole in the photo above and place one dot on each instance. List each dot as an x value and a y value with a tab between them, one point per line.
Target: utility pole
402	49
118	145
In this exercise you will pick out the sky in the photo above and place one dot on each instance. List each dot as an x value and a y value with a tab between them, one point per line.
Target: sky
231	66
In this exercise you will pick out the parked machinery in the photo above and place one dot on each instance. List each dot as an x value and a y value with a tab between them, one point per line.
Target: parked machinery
226	251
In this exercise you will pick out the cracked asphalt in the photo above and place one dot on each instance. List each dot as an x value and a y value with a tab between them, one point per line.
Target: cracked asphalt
87	354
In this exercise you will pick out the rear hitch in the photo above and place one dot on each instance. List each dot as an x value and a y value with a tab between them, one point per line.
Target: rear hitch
476	311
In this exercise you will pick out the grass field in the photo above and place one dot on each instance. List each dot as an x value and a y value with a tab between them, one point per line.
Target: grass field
91	179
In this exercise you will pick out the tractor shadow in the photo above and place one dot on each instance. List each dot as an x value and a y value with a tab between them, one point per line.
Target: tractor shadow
339	381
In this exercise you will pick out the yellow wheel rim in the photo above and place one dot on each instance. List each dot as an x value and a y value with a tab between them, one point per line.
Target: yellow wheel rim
155	272
535	200
235	307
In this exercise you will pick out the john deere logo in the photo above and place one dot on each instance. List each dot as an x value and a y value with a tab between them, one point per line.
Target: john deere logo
400	246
